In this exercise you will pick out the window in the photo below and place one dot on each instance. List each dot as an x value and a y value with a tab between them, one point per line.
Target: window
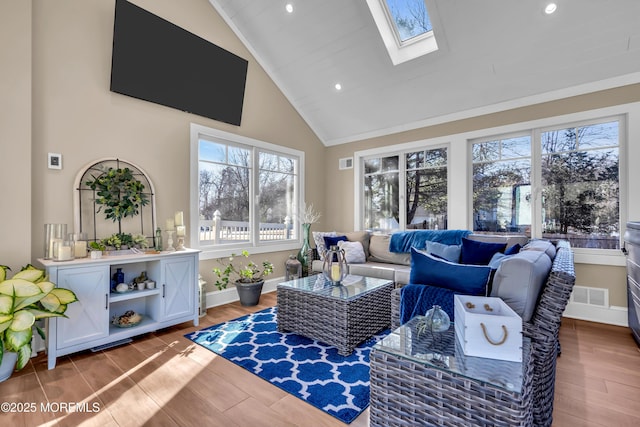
578	184
405	28
410	18
408	189
247	193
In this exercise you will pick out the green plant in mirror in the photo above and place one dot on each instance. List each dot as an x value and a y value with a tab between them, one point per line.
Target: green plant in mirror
26	297
119	193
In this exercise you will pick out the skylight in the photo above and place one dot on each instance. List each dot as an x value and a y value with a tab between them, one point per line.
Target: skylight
409	17
405	28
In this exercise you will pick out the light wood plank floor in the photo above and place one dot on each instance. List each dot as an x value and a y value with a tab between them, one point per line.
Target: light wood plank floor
163	379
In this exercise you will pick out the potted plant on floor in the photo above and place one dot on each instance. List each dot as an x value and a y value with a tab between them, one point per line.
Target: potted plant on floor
26	297
248	278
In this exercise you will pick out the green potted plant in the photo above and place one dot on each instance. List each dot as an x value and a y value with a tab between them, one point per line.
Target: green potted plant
26	297
248	277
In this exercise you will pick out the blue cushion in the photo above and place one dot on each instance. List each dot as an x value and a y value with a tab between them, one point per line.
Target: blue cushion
333	240
479	253
497	258
448	252
416	300
466	279
513	249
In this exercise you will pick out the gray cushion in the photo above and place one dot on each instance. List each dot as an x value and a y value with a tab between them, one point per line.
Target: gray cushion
519	279
379	251
541	245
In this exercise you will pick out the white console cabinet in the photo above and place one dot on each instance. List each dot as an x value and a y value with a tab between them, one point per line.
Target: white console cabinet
89	320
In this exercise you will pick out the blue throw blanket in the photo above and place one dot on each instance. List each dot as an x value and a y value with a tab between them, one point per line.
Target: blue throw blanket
415	300
403	241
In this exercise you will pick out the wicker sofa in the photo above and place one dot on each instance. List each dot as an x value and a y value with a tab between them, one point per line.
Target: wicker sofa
382	263
542	328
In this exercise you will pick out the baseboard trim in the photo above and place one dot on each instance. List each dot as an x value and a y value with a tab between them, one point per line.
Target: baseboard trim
230	294
613	315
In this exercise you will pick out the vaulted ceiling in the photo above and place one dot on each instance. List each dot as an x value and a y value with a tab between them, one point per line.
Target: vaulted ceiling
493	55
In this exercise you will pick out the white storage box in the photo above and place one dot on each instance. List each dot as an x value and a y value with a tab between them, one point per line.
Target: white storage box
488	327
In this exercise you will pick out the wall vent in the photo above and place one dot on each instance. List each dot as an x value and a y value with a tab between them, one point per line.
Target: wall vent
590	296
346	163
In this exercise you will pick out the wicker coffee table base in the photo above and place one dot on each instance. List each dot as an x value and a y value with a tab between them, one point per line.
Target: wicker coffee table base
343	323
409	394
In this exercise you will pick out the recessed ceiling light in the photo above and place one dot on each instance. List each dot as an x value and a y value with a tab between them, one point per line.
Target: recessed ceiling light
288	7
338	86
550	8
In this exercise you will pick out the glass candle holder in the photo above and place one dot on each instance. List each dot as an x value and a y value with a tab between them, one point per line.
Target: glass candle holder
63	250
335	266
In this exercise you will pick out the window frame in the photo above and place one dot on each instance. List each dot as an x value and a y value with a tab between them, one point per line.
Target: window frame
399	51
586	255
254	246
401	151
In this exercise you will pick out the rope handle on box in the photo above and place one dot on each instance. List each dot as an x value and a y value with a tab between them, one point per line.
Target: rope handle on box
505	334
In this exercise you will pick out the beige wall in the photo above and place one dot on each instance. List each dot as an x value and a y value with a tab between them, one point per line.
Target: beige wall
15	133
75	114
341	215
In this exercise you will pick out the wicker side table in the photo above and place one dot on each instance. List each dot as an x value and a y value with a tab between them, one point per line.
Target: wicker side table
342	316
415	388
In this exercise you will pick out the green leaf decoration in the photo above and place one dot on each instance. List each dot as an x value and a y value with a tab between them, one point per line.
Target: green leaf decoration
119	193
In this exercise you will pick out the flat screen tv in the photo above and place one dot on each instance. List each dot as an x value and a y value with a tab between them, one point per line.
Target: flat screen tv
158	61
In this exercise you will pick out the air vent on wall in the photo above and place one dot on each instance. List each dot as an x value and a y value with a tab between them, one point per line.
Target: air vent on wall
591	296
346	163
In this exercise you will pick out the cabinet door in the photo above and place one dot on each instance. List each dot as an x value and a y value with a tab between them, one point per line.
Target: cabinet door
88	318
178	288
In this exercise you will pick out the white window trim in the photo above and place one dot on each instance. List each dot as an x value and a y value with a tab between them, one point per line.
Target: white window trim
460	185
394	150
255	247
597	256
400	52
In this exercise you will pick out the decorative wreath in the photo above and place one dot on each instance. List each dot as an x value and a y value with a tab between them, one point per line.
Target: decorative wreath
119	193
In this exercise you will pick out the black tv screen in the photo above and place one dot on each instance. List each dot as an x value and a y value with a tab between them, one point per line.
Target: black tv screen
158	61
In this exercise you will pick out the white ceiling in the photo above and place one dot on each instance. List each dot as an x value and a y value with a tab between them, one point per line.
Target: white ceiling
494	55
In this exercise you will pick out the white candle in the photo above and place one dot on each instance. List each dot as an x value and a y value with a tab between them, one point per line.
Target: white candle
170	225
181	230
64	253
179	218
80	249
335	272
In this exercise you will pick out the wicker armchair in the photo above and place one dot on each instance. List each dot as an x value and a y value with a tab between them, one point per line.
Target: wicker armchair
543	330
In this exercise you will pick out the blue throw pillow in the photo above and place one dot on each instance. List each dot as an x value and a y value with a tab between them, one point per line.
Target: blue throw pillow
333	240
466	279
479	253
513	249
448	252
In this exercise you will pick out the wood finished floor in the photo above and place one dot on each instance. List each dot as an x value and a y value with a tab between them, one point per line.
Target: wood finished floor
163	379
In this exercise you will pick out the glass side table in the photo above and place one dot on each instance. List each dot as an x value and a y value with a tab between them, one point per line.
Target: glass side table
420	378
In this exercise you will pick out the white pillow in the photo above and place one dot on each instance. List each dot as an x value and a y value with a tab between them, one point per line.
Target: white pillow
318	238
353	252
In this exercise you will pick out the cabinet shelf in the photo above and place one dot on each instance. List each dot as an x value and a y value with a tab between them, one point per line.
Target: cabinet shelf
123	296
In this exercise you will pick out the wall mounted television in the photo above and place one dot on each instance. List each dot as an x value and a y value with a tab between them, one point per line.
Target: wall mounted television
157	61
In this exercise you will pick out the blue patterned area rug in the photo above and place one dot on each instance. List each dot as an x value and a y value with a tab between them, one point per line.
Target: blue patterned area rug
308	369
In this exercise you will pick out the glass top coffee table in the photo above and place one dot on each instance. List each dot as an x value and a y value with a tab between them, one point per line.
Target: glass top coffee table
340	315
420	378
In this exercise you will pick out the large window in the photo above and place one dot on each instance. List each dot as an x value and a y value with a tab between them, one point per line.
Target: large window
248	192
577	183
408	189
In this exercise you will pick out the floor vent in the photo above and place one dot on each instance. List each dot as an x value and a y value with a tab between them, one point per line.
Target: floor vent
591	296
